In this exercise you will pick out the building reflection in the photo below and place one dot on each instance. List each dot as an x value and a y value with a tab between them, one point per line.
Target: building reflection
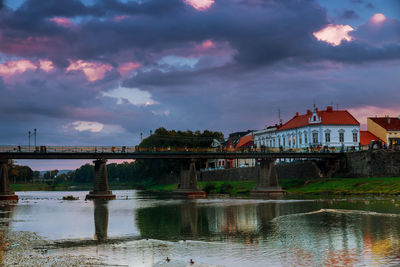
243	223
100	219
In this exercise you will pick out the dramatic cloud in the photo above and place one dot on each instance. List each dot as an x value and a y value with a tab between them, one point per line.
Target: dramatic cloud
93	71
10	68
378	18
46	65
128	67
334	34
130	95
200	5
90	126
64	22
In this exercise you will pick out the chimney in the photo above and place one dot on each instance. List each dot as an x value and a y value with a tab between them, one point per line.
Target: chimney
297	114
388	120
316	109
308	112
329	108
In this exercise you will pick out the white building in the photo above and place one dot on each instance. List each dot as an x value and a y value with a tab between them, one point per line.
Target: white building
332	128
265	137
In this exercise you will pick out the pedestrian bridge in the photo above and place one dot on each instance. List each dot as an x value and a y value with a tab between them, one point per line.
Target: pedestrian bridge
267	180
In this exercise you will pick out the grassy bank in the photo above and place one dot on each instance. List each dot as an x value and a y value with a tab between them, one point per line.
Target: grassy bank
337	186
334	186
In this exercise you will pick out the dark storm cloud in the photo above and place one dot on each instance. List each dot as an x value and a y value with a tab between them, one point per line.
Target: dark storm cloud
349	14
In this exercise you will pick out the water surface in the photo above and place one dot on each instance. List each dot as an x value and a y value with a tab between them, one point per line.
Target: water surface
142	230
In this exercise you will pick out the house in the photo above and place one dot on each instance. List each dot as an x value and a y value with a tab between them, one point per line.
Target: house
266	137
236	142
386	128
333	128
367	137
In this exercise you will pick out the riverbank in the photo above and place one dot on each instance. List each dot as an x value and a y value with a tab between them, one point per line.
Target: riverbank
332	186
21	248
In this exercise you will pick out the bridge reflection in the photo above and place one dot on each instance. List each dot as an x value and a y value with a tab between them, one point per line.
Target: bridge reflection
100	219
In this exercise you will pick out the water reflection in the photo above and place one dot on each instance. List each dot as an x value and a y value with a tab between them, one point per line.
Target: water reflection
100	219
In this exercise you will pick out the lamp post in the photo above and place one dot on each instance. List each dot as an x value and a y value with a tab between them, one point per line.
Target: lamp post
29	141
34	133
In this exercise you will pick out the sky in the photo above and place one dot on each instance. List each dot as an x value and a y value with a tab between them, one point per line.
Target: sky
101	72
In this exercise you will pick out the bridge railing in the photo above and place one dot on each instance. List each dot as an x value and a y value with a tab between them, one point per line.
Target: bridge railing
131	149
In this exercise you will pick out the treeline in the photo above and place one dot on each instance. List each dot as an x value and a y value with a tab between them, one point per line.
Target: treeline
155	169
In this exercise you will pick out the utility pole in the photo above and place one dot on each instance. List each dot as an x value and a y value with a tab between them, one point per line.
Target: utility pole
141	137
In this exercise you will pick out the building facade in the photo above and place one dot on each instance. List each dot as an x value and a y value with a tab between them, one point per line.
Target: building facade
332	128
386	128
265	137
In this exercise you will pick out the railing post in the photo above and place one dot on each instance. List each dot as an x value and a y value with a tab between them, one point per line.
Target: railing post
5	192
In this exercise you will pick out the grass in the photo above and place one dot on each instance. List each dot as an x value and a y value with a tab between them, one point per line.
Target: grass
333	186
337	186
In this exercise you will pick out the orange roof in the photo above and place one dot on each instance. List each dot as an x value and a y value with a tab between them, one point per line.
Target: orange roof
388	123
247	140
328	117
366	137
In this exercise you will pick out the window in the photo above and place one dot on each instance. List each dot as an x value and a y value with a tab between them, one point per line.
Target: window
341	137
305	138
315	137
290	141
300	139
294	141
355	137
279	141
327	137
284	141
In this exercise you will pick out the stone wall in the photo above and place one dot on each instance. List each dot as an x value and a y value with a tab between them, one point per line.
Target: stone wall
295	170
376	163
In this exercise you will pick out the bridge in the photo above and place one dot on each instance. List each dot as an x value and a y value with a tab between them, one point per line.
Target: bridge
267	180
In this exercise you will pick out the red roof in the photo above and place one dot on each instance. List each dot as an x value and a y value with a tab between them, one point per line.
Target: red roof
388	123
328	117
246	141
366	137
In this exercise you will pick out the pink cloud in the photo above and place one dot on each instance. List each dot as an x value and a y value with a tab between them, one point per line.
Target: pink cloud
363	112
121	17
200	5
206	45
92	70
377	18
46	65
63	22
10	68
126	68
334	34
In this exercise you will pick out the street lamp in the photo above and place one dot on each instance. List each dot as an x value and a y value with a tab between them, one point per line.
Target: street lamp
34	133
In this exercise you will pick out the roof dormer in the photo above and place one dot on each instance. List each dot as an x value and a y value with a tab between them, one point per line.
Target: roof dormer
314	117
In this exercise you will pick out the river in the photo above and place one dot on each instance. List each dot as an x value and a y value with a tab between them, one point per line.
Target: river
143	230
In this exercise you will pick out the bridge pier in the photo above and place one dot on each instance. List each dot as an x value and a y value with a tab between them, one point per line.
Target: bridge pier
267	181
100	186
5	192
188	187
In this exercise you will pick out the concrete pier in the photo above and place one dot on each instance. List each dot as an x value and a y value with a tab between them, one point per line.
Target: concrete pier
5	192
100	183
188	187
267	181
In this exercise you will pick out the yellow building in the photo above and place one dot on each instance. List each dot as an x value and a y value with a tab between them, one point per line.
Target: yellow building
386	128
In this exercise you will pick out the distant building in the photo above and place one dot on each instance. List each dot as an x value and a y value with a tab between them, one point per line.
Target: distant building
266	137
386	128
236	142
333	128
366	137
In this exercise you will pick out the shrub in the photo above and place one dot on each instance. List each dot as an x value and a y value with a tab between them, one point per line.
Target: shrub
226	188
210	188
70	198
